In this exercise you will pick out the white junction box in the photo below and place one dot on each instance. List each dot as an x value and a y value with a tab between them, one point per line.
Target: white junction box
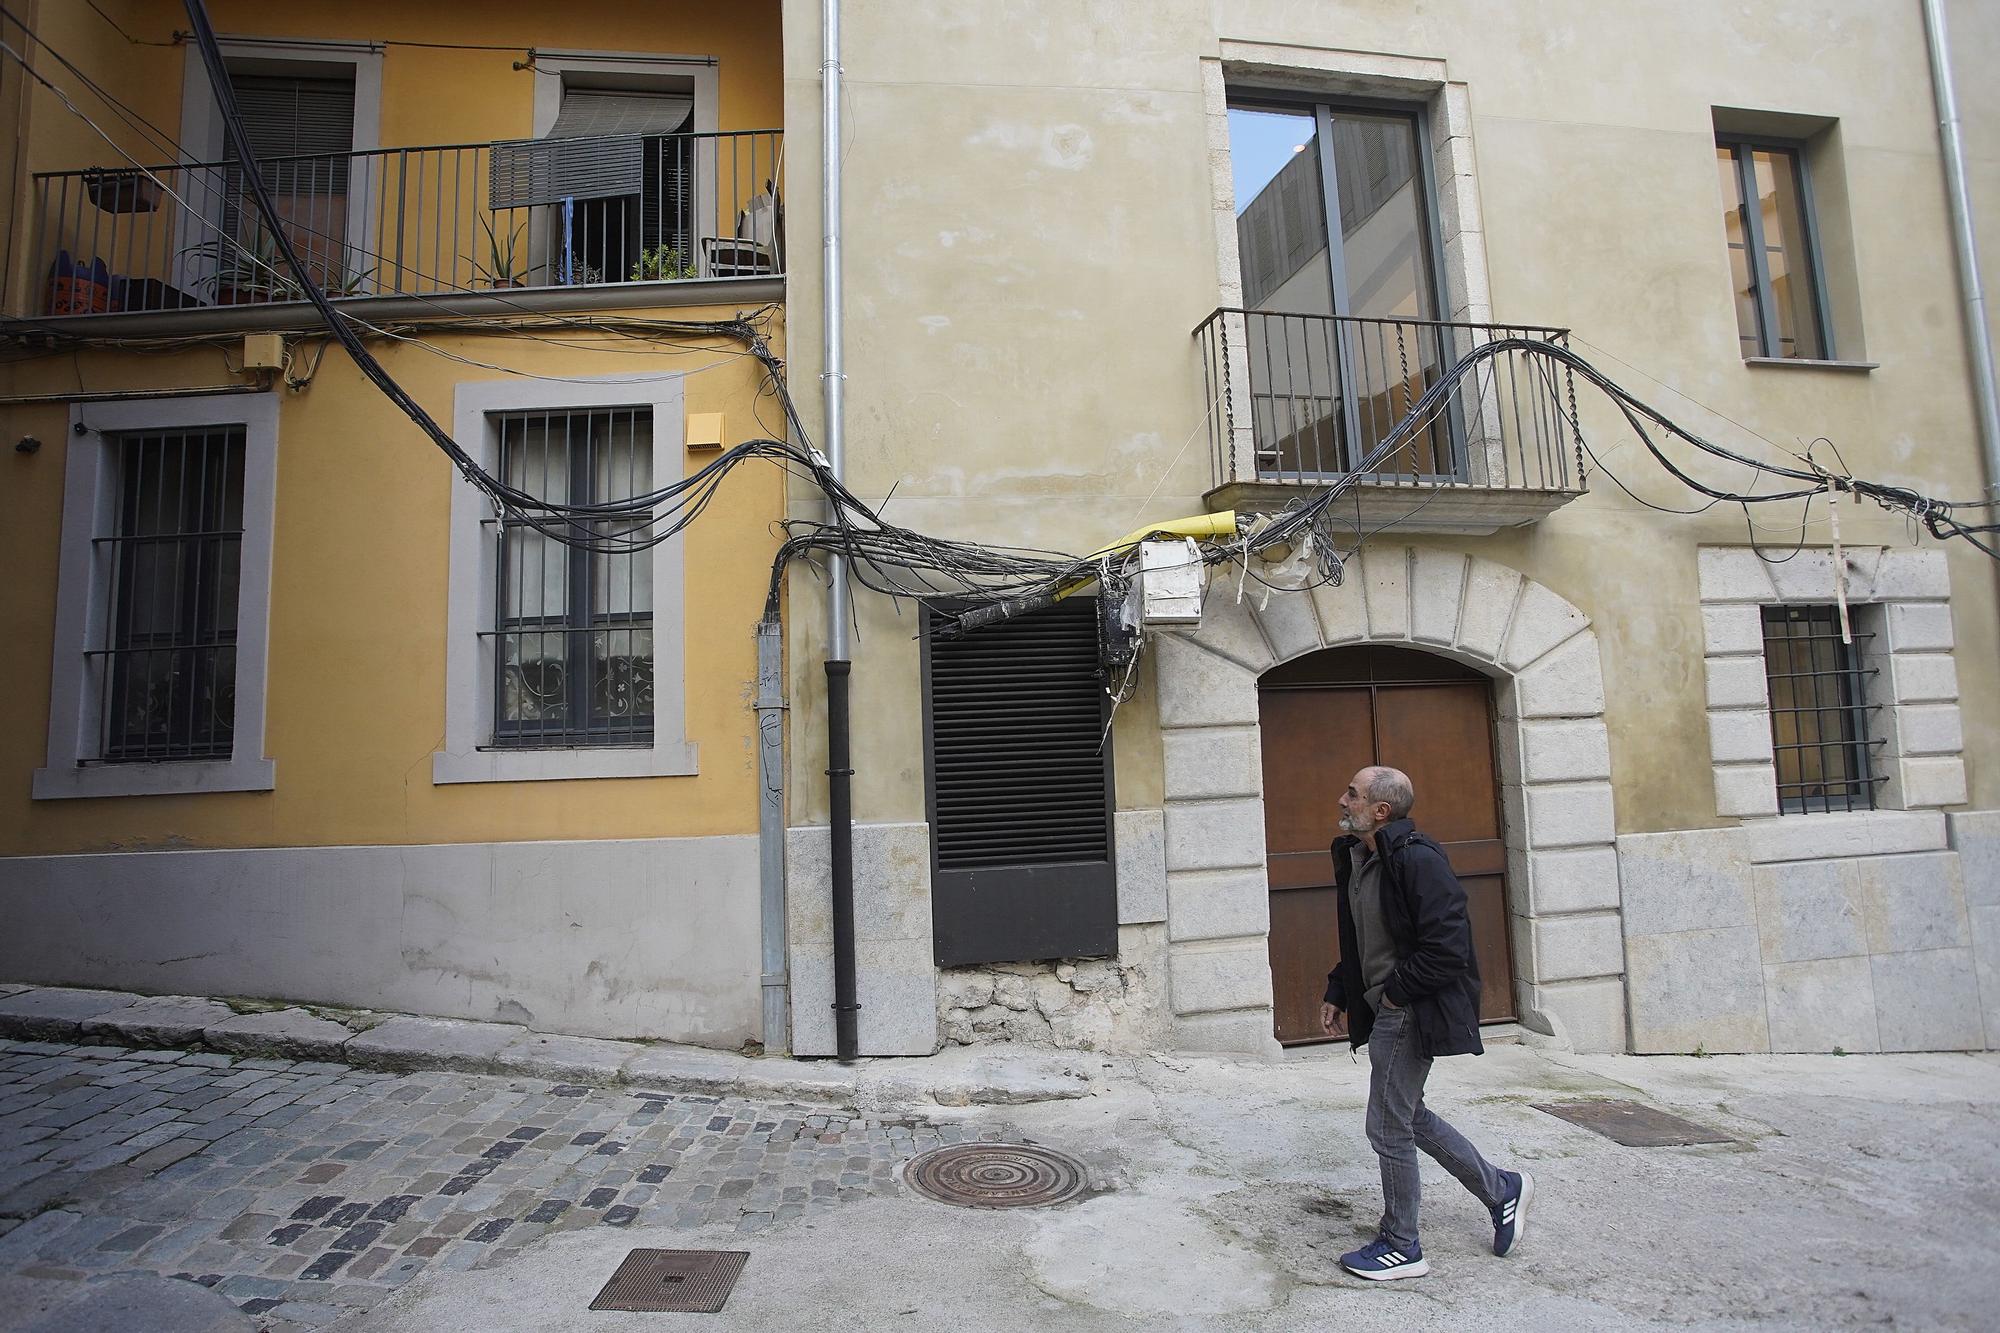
1171	581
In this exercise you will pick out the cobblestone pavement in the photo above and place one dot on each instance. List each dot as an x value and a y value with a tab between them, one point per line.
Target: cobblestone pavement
304	1191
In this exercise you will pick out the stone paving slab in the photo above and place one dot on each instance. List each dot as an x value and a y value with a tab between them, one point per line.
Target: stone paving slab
303	1192
568	1059
432	1043
55	1013
158	1020
295	1033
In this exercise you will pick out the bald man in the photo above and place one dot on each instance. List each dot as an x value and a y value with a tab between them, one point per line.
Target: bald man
1409	985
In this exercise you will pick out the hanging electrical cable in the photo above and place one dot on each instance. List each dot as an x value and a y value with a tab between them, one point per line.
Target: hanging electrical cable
999	581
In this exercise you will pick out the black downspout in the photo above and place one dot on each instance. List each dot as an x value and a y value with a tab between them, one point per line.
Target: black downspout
840	818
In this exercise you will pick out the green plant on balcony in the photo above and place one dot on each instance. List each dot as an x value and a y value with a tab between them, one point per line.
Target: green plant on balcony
503	266
660	263
255	273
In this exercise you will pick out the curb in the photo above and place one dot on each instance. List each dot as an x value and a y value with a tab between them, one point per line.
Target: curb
401	1043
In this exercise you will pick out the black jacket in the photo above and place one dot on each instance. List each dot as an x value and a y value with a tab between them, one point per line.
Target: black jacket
1436	976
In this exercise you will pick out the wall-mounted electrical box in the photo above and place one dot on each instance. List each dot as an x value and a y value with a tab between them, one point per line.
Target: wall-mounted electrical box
704	430
1170	583
263	351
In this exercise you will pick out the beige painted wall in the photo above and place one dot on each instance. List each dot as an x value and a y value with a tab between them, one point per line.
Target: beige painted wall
1029	244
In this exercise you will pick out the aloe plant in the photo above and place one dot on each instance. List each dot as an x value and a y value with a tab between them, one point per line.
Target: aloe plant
503	268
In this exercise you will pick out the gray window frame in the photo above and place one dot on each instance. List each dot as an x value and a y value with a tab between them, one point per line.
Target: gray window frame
1742	149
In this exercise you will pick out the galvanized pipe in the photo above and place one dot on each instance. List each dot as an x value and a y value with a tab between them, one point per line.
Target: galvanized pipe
1986	401
771	832
839	776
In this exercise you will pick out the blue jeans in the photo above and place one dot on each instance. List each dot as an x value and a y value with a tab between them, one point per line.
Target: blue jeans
1399	1123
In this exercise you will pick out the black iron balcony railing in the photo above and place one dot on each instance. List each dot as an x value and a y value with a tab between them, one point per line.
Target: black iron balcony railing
532	213
1302	399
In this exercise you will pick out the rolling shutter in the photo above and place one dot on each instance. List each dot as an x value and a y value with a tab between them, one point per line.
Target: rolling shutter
1019	774
597	149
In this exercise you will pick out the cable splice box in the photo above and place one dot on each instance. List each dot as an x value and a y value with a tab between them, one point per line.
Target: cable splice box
1172	579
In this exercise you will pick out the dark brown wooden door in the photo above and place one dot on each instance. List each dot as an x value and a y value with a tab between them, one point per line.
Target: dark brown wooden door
1326	716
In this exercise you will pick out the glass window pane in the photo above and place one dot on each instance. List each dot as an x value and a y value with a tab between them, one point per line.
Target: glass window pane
1781	210
1382	227
1280	211
1282	249
1385	253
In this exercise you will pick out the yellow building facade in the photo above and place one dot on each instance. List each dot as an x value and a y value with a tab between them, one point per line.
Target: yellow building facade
557	228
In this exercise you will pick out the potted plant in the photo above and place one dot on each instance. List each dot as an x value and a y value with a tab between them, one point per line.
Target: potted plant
503	268
245	273
660	263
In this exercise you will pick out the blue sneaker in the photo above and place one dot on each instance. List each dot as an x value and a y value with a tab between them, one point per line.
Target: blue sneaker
1510	1218
1384	1261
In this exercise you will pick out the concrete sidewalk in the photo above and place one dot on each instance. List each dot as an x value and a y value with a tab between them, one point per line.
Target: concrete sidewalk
1863	1191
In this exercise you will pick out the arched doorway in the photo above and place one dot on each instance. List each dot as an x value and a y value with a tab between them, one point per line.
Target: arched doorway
1328	713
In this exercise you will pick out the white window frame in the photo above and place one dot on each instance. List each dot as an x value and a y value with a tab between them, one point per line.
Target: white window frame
470	610
90	497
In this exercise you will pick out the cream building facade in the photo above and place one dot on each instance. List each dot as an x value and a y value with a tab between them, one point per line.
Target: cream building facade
1073	300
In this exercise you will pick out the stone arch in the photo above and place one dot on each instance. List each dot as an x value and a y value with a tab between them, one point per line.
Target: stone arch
1555	773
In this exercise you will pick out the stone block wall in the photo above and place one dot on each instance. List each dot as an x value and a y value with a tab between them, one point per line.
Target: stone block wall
1856	932
1089	1004
910	1007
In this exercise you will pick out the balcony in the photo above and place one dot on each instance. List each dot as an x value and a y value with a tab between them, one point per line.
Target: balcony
1296	401
571	223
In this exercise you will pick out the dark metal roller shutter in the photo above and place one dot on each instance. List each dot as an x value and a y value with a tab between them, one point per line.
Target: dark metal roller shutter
1020	791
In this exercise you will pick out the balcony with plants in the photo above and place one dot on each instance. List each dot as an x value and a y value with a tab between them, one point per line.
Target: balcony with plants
569	223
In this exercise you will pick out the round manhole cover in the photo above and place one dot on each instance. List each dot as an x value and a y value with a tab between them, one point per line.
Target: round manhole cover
997	1175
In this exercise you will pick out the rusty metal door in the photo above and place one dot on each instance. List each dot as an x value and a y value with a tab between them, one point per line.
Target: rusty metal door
1323	717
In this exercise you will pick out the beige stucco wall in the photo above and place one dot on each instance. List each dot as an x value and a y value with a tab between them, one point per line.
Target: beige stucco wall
1029	243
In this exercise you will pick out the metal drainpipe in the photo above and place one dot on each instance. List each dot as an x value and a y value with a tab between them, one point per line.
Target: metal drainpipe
771	830
839	777
1986	401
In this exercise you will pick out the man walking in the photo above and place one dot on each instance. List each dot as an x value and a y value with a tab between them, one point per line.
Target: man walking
1409	984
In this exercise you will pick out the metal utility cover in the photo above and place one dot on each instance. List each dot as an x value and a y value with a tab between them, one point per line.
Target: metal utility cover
1635	1125
997	1175
673	1281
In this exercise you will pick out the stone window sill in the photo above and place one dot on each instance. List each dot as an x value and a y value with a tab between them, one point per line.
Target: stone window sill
1801	363
164	778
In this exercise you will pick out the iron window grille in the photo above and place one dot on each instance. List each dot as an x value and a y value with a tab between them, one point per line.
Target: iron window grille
1773	250
166	675
573	629
1819	711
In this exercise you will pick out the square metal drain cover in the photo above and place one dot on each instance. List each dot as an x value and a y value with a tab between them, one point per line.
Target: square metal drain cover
670	1281
1635	1125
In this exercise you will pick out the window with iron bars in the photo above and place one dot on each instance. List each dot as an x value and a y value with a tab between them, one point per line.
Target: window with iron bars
166	675
573	629
1819	711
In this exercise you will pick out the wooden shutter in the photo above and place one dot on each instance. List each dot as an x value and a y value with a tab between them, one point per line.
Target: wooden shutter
1019	775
